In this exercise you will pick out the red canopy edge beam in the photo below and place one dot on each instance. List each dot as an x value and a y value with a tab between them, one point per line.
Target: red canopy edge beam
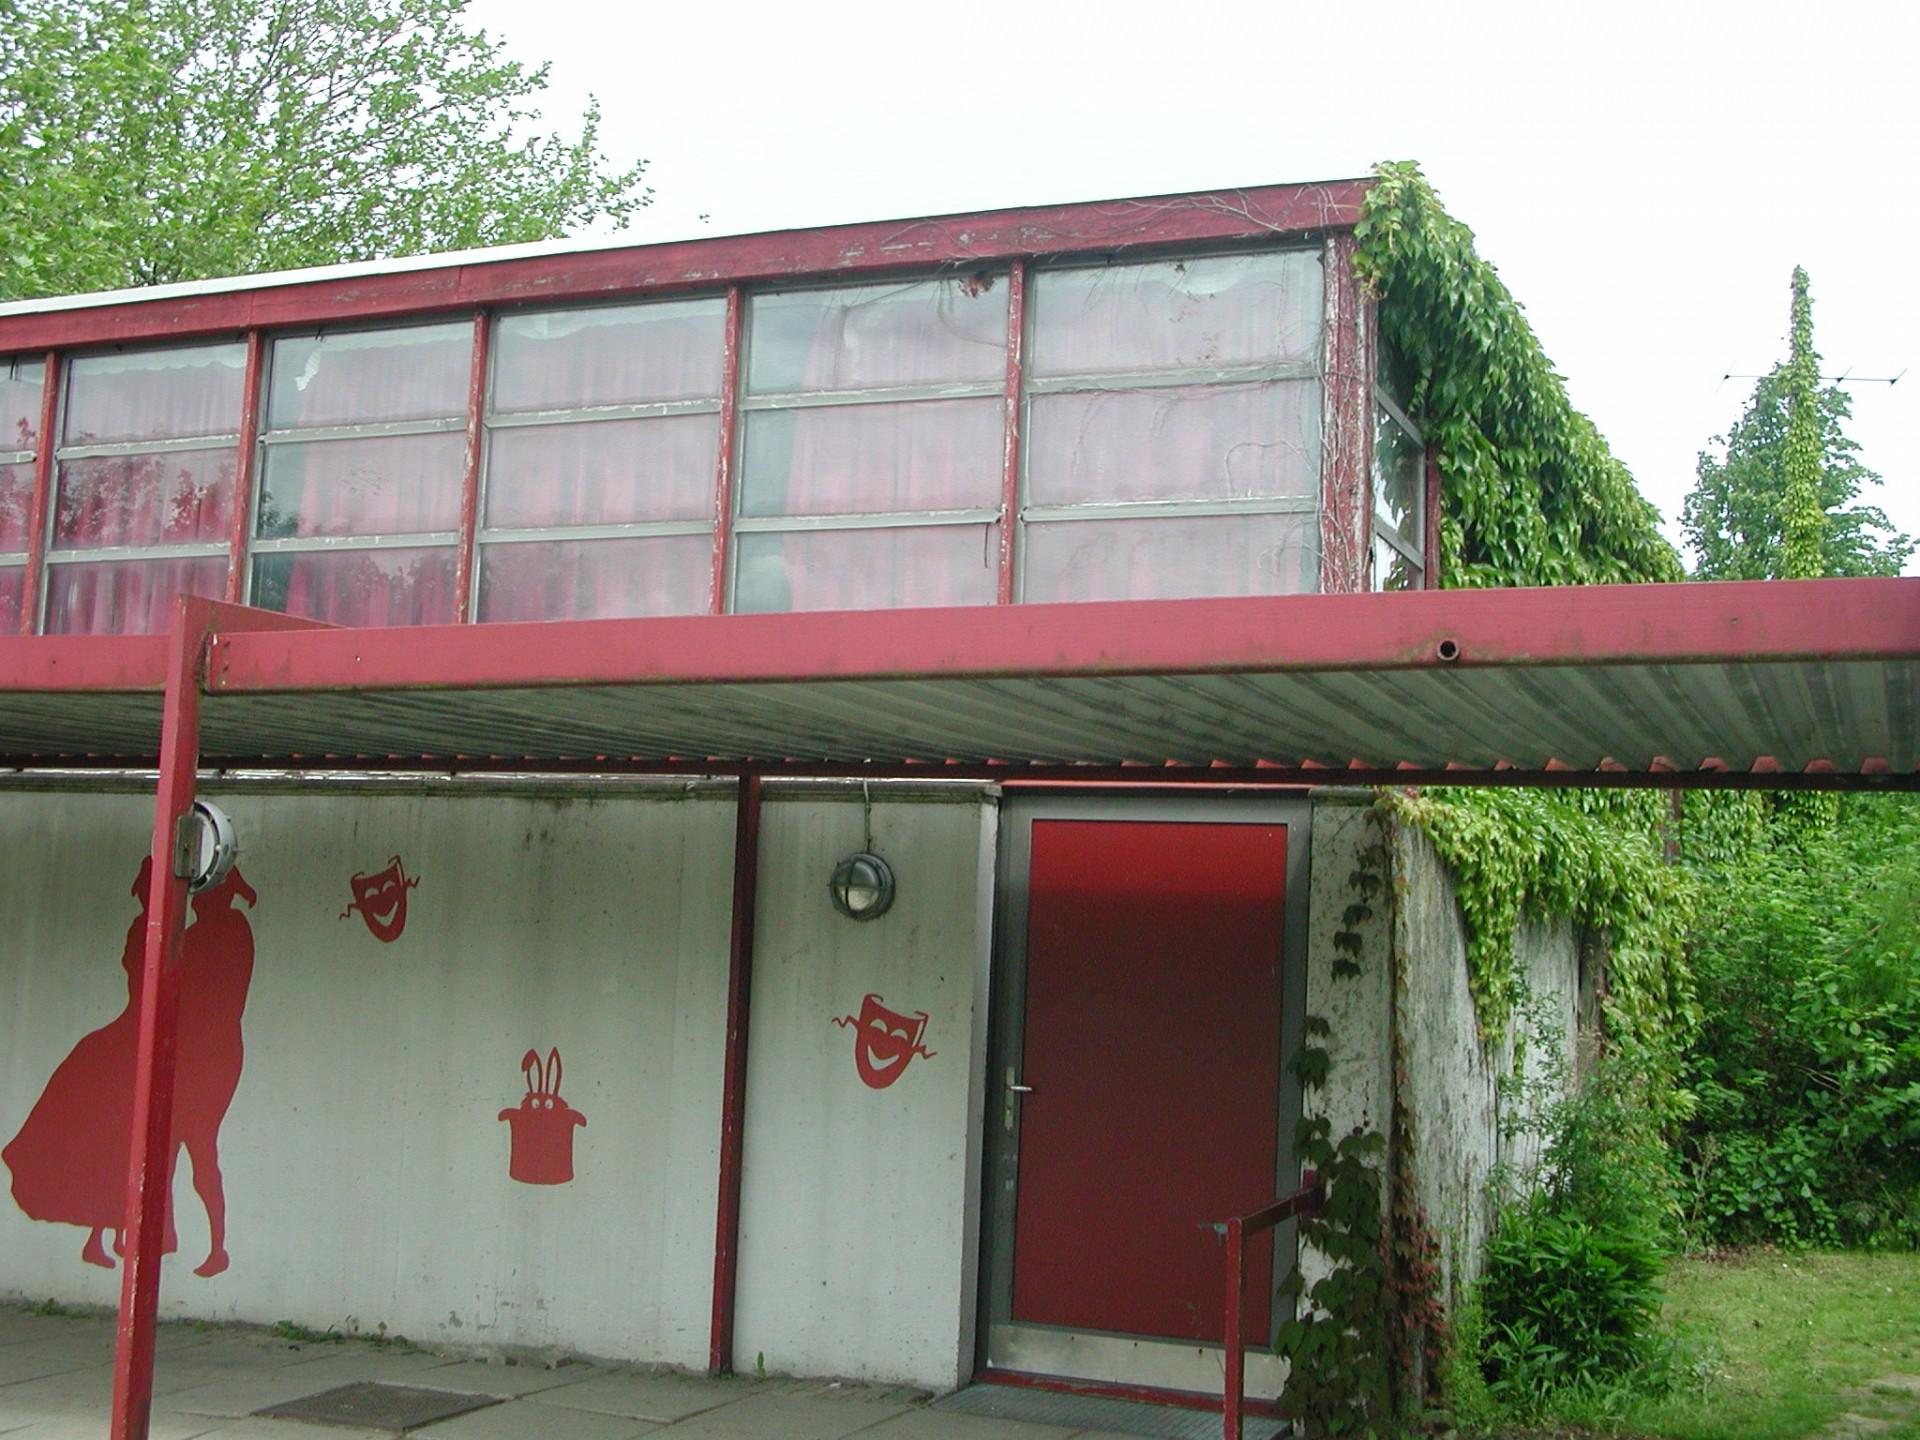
150	1143
986	238
1719	623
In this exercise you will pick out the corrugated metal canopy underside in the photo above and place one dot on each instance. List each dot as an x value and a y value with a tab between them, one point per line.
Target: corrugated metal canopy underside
1182	684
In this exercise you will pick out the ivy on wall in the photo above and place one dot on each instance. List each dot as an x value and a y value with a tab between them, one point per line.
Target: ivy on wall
1582	856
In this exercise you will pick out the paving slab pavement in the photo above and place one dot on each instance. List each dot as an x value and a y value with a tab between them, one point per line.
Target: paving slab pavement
56	1383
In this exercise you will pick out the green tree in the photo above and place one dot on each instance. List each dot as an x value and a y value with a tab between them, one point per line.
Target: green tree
148	141
1780	498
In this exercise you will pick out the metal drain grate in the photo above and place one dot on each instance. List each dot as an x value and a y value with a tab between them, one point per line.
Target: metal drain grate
368	1405
1098	1412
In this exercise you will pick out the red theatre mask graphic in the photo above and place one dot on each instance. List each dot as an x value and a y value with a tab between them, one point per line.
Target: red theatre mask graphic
884	1041
381	900
542	1125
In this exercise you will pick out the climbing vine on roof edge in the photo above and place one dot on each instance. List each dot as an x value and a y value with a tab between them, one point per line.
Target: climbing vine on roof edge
1532	494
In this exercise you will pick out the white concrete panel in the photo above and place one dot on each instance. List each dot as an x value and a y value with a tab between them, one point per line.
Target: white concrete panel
366	1171
1465	1121
855	1256
1358	1093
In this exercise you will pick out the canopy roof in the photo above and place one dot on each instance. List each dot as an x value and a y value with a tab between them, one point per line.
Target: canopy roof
1760	683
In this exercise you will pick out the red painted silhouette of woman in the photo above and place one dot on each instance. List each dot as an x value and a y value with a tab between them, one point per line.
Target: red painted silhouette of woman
217	960
69	1161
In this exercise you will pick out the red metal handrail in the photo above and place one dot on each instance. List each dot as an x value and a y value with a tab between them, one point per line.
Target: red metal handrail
1307	1200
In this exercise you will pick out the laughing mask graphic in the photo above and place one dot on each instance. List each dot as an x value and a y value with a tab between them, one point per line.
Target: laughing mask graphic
884	1041
381	900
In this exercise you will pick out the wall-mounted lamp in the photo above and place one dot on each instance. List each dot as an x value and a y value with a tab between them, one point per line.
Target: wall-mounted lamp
204	846
862	886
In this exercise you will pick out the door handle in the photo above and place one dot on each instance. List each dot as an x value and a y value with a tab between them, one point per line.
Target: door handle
1021	1089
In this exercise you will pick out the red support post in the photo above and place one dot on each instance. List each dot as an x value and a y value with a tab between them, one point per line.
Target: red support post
733	1100
150	1165
42	503
246	463
723	464
1010	455
1233	1397
470	480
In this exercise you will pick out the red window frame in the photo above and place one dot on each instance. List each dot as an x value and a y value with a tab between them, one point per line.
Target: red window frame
1009	239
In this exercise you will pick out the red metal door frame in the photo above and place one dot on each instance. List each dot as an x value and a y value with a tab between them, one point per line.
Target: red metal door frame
1002	1356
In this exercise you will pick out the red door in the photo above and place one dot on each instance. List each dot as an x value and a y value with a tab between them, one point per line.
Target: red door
1152	1048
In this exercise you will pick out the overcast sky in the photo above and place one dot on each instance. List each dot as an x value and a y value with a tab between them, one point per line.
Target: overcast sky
1645	176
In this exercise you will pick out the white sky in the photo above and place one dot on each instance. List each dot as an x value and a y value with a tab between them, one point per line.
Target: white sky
1645	176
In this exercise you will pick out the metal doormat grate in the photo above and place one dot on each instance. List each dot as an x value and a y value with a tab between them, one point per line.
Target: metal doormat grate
1098	1412
368	1405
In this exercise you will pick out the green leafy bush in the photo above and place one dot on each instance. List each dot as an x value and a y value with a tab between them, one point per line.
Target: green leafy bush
1806	1069
1569	1302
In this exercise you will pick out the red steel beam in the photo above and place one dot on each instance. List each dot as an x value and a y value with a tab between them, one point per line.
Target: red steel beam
41	506
150	1164
1010	452
733	1098
470	477
723	464
245	464
114	663
989	237
1015	775
1858	619
150	1159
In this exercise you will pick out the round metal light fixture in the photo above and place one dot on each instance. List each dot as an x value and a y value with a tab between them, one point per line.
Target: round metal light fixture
205	847
862	886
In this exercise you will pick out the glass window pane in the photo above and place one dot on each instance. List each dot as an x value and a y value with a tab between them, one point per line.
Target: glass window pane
1399	475
20	382
867	459
602	472
867	569
359	377
13	590
359	587
1196	442
1170	559
383	485
1195	314
1393	570
596	579
126	597
164	497
613	355
924	332
155	394
16	505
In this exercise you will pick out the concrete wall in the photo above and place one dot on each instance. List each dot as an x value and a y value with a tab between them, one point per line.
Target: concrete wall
366	1169
1466	1122
1359	1089
859	1211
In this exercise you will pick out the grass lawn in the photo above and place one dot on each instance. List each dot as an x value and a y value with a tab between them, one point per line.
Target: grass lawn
1794	1346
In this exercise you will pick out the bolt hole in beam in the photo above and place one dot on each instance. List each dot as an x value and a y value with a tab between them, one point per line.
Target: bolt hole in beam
1448	650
